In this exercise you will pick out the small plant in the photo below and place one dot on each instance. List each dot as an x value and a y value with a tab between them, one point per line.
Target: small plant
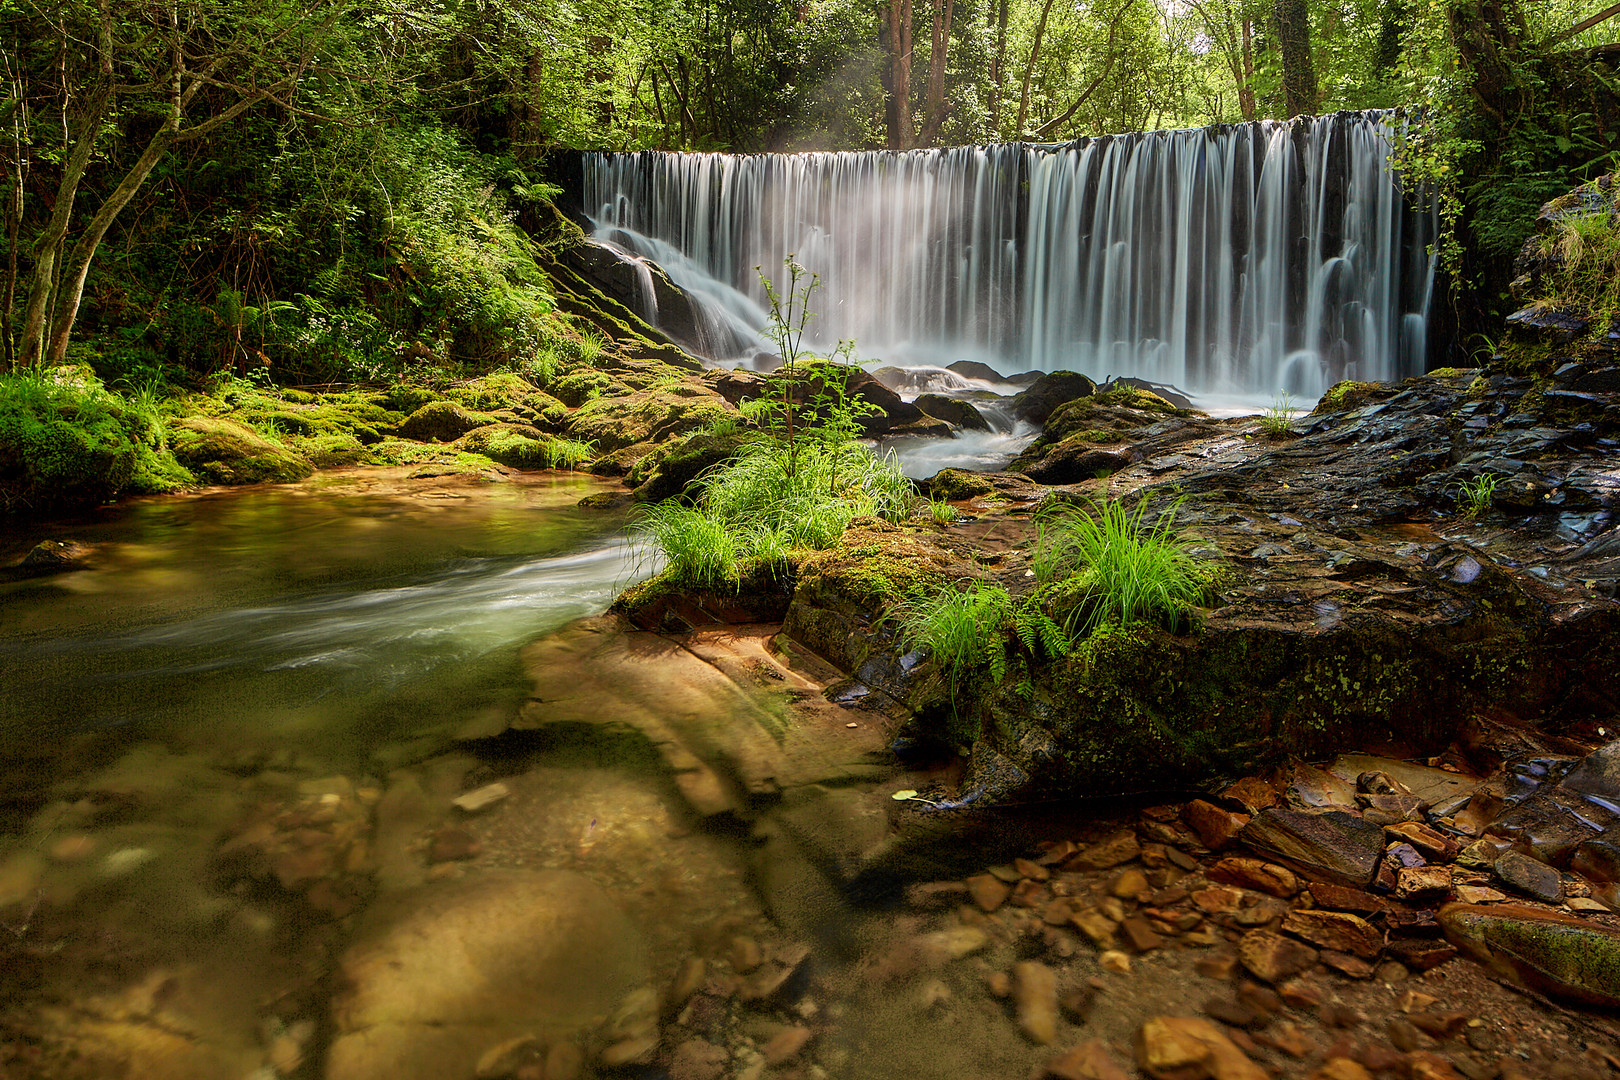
1115	566
1475	496
569	453
1277	422
941	511
702	549
960	629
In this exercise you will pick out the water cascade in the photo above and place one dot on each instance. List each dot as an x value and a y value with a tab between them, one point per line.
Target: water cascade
1238	259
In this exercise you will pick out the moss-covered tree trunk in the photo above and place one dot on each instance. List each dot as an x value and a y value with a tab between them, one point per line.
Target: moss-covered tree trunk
1299	72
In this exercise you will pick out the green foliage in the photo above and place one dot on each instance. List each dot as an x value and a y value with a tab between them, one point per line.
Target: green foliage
1475	496
1278	421
769	505
1115	567
1584	250
961	629
67	443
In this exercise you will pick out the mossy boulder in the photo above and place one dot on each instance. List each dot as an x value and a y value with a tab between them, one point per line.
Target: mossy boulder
1074	460
672	469
488	393
442	421
955	485
761	594
67	443
1051	389
651	415
1347	394
222	451
577	387
952	410
514	445
403	398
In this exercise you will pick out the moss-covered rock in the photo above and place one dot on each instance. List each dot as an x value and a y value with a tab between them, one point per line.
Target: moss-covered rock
952	410
516	446
1074	460
222	451
957	484
1347	394
577	387
672	469
67	443
1046	393
442	421
651	415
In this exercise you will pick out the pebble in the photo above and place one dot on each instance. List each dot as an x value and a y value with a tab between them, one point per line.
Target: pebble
1129	885
1341	1068
453	845
1091	1060
785	1045
504	1059
72	849
125	860
697	1059
1034	992
480	799
1115	961
988	891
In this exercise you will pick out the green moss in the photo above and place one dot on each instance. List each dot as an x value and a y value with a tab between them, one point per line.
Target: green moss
521	448
577	387
66	443
501	390
403	398
442	421
1126	396
957	484
1345	395
222	451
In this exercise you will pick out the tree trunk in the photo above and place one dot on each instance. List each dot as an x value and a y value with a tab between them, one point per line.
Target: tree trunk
1489	35
71	291
1029	69
1299	73
895	34
1246	84
998	72
48	248
936	109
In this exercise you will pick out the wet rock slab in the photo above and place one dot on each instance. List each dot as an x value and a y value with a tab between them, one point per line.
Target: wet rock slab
438	976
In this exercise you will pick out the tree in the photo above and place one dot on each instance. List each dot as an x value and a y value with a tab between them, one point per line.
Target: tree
1299	72
186	68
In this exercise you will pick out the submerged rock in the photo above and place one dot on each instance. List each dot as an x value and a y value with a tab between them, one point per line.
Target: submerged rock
437	976
1556	954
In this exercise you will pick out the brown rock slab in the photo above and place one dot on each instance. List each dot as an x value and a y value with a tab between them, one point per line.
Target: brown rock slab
1561	955
1335	846
1129	885
1106	854
1272	957
1218	900
1521	873
1421	884
1353	967
988	891
1341	1068
436	976
1336	930
1190	1048
1341	898
1429	841
1091	1060
1255	874
1419	953
1217	828
1034	992
1253	793
1139	934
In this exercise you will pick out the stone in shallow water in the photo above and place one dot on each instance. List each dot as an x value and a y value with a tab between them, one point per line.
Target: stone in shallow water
1519	871
438	975
1557	954
1335	846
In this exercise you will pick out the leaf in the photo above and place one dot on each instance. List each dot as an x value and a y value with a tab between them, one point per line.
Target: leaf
902	796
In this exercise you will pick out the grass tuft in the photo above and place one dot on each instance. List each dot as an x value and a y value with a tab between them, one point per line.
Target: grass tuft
1117	567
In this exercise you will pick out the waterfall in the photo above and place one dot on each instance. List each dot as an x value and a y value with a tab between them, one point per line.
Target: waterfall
1239	259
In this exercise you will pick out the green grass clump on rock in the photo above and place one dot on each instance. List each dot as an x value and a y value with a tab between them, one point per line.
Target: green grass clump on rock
1111	565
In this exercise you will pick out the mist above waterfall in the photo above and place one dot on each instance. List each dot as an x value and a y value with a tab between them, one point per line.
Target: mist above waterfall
1242	259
